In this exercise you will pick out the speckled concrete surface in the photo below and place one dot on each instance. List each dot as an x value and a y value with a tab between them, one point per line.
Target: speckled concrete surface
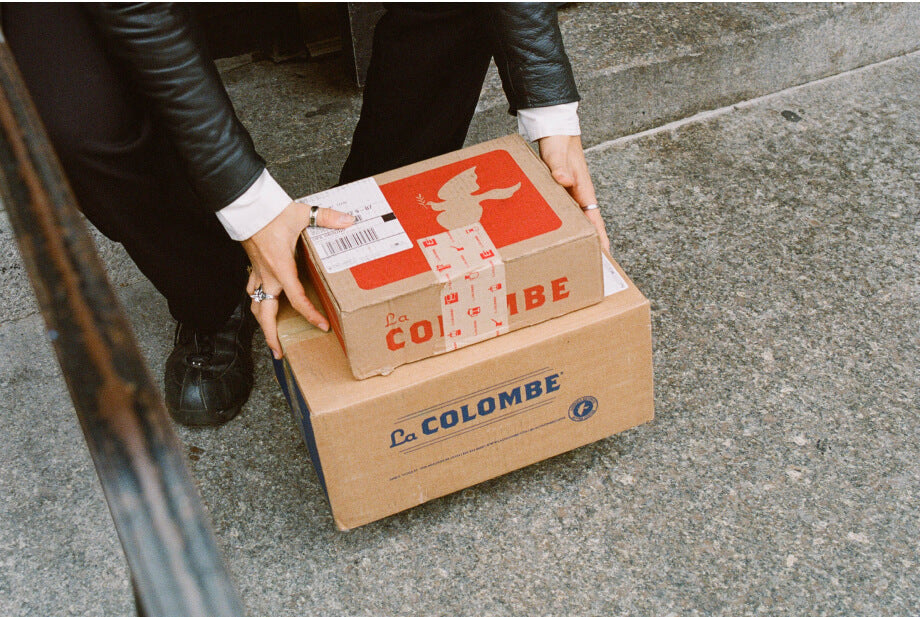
779	246
653	64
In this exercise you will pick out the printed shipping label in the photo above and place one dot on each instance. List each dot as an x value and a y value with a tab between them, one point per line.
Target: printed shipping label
472	274
376	232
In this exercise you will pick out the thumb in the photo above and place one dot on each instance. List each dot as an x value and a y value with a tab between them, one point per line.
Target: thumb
333	218
554	152
563	176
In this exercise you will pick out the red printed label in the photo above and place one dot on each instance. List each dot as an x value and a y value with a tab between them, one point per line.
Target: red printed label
489	189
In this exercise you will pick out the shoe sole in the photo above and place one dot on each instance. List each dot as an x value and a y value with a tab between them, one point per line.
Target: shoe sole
200	418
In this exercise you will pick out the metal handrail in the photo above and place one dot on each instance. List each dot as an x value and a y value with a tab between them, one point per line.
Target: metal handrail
170	548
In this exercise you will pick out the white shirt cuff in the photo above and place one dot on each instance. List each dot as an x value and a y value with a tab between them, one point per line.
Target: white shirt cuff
538	122
255	208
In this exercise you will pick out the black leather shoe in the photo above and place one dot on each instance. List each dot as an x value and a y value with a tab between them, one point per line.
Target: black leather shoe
209	374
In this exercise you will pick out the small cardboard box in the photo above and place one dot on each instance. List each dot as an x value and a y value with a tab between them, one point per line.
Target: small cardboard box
449	252
385	444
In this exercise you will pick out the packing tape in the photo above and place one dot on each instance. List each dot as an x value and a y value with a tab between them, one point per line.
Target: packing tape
473	298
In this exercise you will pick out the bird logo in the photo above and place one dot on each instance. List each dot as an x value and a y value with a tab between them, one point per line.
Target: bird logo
458	204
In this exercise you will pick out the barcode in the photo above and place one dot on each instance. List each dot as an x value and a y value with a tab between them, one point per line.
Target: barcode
353	240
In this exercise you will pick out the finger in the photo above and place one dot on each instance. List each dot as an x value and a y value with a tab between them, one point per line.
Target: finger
267	317
554	150
582	189
302	305
252	283
598	221
287	276
333	219
562	174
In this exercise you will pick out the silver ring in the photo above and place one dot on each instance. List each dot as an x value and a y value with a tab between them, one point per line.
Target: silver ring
259	294
313	211
590	207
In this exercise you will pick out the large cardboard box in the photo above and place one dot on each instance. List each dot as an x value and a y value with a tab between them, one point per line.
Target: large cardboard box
449	252
387	443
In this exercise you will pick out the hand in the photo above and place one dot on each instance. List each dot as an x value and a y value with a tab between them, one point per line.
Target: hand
271	252
565	157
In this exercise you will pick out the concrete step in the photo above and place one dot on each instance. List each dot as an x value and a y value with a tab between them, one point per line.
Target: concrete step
638	66
644	65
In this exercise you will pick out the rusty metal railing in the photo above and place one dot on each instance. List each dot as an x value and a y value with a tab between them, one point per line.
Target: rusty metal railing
175	564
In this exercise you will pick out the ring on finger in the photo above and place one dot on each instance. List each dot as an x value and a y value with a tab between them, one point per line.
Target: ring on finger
259	295
590	207
313	211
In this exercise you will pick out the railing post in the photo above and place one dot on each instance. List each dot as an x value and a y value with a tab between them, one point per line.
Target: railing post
176	568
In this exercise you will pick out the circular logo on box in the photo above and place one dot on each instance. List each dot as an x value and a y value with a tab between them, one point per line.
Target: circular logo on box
583	408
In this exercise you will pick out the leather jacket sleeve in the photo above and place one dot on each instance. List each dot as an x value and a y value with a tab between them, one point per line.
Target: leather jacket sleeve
165	56
530	55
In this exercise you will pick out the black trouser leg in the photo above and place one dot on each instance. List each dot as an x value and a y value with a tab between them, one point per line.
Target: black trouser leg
426	73
127	179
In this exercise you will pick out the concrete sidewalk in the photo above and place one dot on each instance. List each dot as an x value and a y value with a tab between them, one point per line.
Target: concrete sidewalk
778	242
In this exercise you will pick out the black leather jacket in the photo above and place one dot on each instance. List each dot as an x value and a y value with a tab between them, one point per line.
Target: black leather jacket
529	54
161	48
